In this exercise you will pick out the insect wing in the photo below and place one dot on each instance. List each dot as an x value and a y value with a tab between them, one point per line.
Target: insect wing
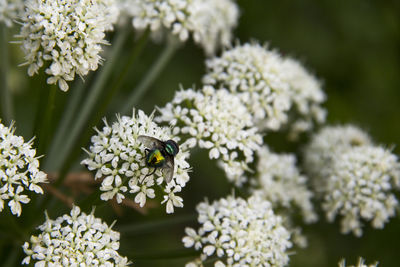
168	169
149	142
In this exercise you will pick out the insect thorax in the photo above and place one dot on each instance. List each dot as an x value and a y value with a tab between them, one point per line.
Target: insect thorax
155	158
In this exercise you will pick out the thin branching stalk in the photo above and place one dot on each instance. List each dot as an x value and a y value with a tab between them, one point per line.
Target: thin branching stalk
46	128
65	124
6	96
152	74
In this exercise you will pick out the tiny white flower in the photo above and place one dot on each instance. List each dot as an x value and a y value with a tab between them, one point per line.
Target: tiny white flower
19	170
117	155
245	233
72	240
10	10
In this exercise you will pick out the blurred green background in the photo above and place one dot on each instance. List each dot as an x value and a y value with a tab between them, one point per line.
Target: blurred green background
353	47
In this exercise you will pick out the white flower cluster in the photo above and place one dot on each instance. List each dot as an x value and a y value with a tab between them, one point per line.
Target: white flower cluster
281	183
10	10
117	156
74	240
269	85
328	142
240	233
19	170
358	180
209	21
360	263
65	36
218	121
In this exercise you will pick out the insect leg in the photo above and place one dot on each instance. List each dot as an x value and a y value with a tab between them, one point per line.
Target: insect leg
152	172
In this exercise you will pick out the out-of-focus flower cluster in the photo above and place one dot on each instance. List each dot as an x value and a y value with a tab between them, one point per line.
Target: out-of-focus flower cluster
117	156
74	240
65	36
280	182
218	121
210	22
10	10
355	178
360	263
240	233
270	86
19	170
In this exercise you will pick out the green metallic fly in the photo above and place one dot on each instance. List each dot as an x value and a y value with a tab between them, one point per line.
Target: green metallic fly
160	154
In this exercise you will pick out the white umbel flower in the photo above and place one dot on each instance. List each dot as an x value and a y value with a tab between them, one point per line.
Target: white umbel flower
117	156
355	178
257	76
360	263
210	22
65	36
238	232
19	170
215	120
10	10
74	239
360	186
329	142
281	183
269	85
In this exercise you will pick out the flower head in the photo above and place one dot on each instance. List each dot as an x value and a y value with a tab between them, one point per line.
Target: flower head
239	232
10	10
19	170
118	156
269	85
360	263
218	121
74	239
329	142
360	186
65	35
354	178
209	21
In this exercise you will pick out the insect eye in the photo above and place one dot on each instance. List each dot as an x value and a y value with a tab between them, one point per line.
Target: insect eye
171	147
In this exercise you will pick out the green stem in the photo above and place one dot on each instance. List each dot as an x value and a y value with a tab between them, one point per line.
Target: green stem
91	101
45	128
151	75
65	123
12	257
6	96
